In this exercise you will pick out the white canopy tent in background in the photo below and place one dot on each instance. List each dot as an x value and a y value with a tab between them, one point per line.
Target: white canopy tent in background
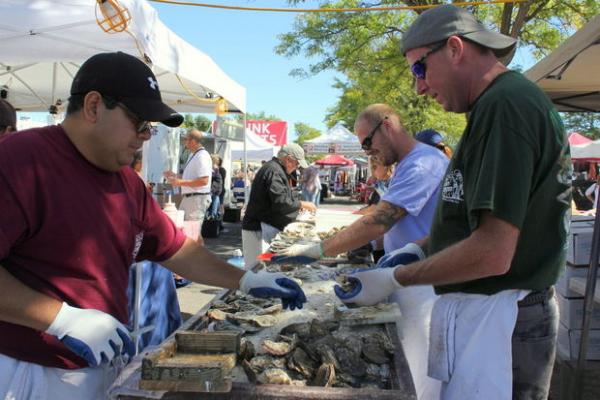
338	139
43	43
257	149
570	75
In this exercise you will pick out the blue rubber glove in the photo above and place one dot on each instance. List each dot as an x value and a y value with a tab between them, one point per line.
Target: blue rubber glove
273	284
93	335
405	255
372	286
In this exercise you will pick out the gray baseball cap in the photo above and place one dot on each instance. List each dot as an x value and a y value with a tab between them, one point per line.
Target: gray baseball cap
439	23
295	151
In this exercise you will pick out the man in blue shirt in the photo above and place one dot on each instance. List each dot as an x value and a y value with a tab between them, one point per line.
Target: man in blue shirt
403	215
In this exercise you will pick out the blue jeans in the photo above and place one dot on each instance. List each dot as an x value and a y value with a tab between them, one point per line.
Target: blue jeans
312	197
213	211
534	349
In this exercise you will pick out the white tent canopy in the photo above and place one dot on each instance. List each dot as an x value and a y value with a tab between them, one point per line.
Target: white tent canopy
587	151
570	74
257	149
43	43
338	139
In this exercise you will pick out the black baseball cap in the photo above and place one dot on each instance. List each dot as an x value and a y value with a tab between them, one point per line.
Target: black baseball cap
130	81
441	22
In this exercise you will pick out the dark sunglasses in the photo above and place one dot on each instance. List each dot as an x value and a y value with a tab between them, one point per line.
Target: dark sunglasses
140	126
419	68
368	141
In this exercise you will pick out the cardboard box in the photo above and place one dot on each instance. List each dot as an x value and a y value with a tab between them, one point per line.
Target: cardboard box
579	242
567	346
570	271
571	313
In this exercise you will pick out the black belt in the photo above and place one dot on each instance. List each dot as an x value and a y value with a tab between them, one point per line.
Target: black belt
195	194
537	297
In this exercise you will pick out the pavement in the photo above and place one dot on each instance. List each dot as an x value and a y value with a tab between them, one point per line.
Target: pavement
332	212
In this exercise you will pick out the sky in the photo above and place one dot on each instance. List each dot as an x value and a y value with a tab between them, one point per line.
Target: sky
242	43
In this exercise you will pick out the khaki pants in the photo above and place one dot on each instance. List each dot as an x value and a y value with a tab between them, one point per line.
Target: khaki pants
195	209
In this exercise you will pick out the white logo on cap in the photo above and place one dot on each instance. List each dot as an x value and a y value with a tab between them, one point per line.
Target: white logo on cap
153	83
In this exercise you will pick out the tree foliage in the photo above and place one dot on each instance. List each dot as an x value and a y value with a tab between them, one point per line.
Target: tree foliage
364	49
588	124
305	132
259	116
197	121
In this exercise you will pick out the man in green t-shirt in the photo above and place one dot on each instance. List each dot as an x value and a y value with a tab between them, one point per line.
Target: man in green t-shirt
498	237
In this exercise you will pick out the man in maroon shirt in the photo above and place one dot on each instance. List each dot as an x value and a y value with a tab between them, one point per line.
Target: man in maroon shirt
73	220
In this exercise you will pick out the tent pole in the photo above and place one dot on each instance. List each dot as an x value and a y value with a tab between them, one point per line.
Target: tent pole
588	308
246	187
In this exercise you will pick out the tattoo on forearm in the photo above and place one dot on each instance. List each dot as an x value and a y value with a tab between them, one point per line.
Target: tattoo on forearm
385	215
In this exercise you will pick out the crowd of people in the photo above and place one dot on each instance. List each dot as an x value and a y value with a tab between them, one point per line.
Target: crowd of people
473	242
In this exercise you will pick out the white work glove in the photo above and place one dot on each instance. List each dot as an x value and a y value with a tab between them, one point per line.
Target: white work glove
402	256
273	284
372	286
301	253
93	335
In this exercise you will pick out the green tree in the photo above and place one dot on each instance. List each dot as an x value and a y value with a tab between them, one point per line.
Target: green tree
305	132
197	121
364	49
588	124
259	116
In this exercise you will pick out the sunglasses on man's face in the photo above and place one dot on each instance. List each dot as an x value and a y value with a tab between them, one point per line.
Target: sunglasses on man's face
419	68
368	141
140	126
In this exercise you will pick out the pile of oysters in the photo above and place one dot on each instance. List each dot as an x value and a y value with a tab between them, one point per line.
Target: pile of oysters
321	353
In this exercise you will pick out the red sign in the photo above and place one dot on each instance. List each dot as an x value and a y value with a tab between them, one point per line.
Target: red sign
274	132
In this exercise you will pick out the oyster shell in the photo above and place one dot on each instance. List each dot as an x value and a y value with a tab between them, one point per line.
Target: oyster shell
247	350
274	376
302	363
377	348
279	348
350	361
325	376
253	319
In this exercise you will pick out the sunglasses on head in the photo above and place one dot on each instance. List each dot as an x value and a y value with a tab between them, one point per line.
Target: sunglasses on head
419	67
368	141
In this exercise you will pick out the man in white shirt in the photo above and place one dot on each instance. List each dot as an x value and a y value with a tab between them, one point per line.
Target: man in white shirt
195	180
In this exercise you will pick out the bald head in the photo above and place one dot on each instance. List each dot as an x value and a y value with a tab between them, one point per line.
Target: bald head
382	135
378	112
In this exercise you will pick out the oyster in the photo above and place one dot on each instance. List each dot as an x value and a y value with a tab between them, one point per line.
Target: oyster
261	362
246	350
253	319
217	314
350	361
218	326
274	376
320	329
302	363
326	355
325	376
279	348
301	329
347	284
377	348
